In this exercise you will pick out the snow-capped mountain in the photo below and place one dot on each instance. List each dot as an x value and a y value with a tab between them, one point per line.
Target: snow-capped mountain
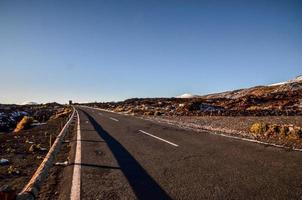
186	95
293	85
297	79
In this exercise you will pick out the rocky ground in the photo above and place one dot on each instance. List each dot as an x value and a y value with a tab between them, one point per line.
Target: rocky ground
22	152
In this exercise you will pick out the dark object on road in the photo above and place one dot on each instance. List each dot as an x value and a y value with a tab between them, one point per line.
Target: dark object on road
7	193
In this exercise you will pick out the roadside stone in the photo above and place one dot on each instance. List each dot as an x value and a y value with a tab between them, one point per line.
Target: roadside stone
65	163
36	147
157	113
4	161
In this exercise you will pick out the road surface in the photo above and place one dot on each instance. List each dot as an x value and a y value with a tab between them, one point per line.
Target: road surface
123	157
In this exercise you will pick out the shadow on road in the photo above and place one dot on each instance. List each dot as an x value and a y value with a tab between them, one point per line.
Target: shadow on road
92	141
94	166
143	185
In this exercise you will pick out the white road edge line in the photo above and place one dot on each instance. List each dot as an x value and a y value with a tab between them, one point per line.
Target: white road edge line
113	119
76	178
158	138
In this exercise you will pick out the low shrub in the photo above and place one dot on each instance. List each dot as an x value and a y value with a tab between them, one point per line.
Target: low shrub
284	130
62	113
259	128
274	128
24	124
295	134
34	147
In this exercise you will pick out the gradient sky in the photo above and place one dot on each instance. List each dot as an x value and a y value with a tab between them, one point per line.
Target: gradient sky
112	50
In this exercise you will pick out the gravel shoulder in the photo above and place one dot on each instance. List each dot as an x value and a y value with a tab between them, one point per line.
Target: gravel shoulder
235	126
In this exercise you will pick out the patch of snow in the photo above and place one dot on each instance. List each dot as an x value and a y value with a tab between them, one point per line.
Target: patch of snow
281	83
18	114
38	124
65	163
29	103
186	95
206	107
297	79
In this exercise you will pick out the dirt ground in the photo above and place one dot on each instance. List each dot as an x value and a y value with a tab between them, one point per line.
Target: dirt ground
23	158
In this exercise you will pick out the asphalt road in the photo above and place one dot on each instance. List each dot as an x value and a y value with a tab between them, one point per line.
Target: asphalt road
123	157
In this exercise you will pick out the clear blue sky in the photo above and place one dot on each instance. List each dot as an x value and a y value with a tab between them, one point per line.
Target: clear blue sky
112	50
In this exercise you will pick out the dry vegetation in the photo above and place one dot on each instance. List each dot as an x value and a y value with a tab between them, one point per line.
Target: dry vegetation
24	124
261	129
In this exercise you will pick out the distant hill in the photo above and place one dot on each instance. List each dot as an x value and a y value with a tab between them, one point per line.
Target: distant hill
261	91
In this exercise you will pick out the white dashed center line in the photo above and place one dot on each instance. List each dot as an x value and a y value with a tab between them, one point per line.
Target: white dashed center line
113	119
171	143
